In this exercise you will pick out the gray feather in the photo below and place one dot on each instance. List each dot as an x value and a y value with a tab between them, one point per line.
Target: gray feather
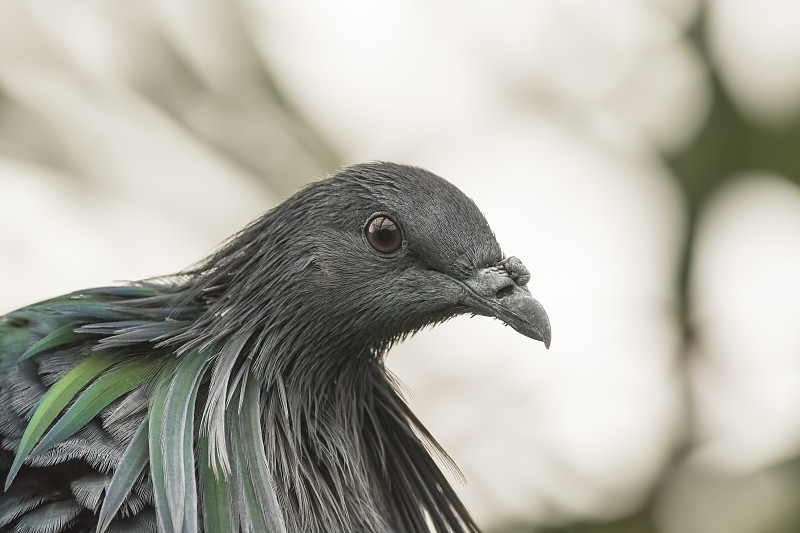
88	490
53	517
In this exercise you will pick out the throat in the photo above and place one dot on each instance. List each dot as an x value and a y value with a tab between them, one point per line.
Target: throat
343	450
349	455
325	439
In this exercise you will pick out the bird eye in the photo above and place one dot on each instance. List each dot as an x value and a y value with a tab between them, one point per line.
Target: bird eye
383	234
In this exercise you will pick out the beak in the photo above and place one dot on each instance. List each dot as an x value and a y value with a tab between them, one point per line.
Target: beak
501	292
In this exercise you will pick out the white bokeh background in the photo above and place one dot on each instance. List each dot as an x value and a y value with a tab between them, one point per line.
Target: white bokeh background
135	137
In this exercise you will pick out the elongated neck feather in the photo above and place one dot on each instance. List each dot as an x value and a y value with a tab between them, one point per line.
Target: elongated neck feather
345	451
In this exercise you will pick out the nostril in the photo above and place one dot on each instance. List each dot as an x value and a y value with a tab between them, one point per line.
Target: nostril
505	291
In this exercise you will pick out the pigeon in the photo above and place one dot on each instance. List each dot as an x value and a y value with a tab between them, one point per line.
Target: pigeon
248	392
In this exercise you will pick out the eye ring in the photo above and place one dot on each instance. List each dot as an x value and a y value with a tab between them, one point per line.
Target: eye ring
383	234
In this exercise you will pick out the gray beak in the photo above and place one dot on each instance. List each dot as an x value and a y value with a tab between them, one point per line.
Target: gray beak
501	291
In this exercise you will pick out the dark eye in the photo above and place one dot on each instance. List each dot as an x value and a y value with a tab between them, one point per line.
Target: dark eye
383	234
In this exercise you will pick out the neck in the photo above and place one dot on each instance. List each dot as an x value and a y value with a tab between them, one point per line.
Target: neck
324	450
343	448
354	452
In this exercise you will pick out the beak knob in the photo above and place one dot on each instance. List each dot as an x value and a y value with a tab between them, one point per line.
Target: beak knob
501	292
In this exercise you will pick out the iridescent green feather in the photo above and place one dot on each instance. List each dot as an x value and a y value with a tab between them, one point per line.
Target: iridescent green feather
155	428
59	337
54	401
256	459
172	460
178	440
214	490
120	379
131	465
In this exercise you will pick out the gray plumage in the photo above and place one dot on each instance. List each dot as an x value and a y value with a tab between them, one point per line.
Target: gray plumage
249	392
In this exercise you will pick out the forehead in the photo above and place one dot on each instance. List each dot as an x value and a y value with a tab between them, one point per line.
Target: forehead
441	224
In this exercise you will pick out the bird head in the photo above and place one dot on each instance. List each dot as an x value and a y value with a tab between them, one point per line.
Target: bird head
353	263
391	249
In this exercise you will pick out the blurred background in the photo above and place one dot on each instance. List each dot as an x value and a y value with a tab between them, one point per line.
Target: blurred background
642	157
